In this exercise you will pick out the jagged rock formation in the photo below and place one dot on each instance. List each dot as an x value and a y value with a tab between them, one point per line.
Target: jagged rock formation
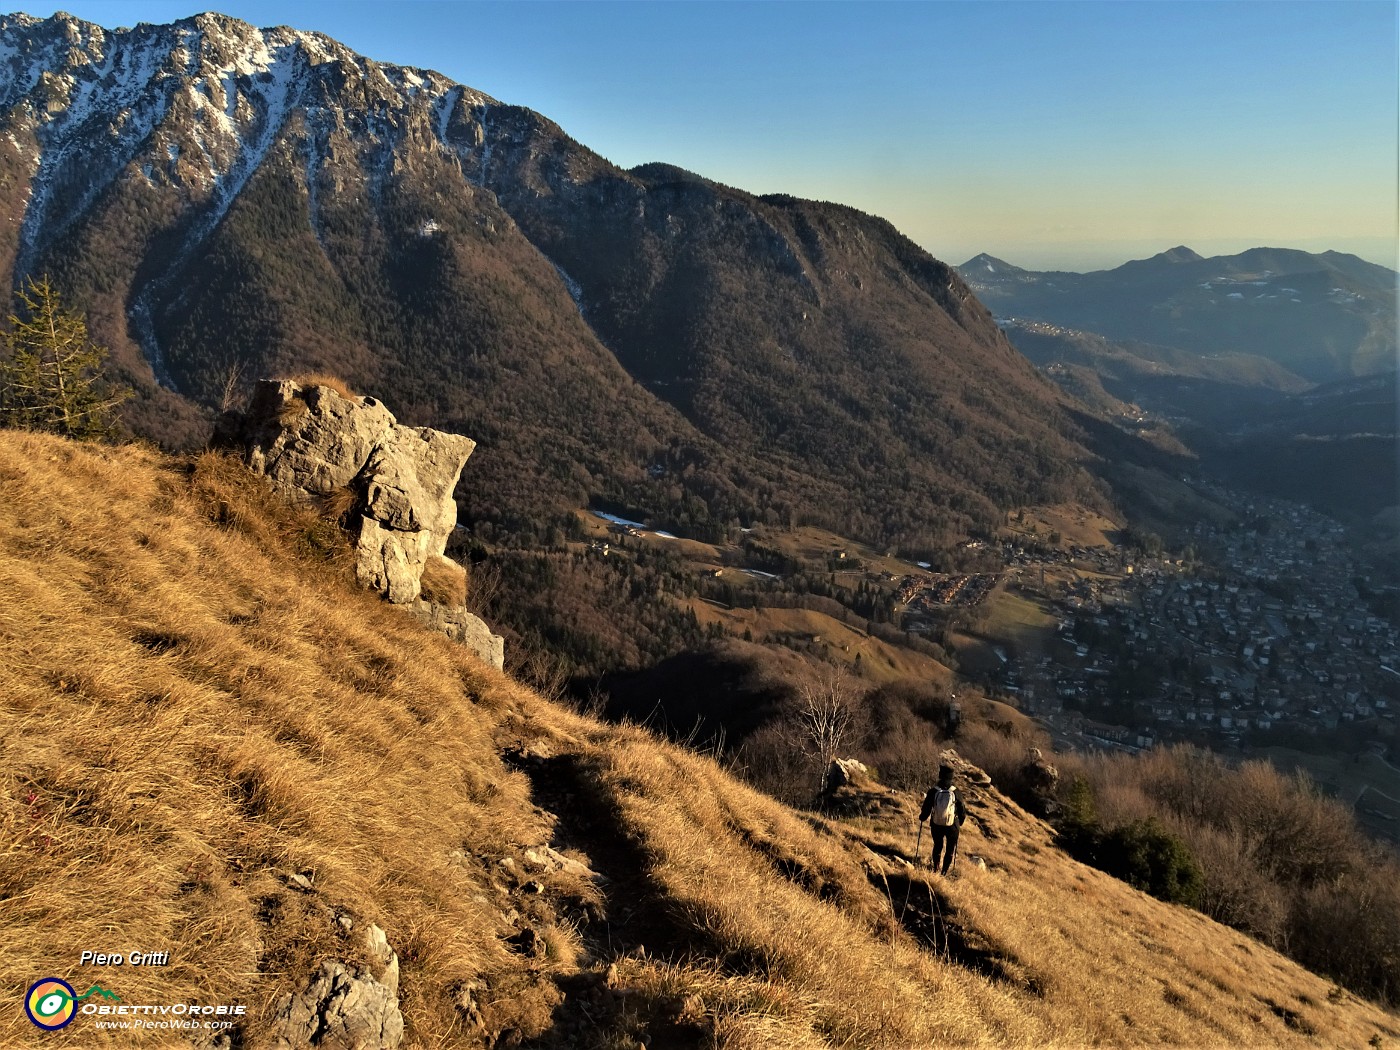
963	770
314	443
346	1007
1040	779
843	771
310	441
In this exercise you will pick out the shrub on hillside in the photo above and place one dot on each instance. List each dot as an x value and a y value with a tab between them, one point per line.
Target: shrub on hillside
1235	889
337	384
1303	835
1144	854
1277	858
907	760
1350	929
444	581
771	761
1078	830
905	732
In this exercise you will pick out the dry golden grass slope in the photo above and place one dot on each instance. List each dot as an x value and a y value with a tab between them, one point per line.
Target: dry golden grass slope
212	745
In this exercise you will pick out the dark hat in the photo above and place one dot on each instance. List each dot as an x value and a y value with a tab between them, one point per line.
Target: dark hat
945	776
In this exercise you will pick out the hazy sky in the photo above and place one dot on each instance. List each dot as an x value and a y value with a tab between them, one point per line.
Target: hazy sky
1052	134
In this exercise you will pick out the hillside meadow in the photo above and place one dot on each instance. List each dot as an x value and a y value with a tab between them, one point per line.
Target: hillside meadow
212	744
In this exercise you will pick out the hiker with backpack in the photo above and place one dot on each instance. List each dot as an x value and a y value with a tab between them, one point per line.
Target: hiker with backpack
944	810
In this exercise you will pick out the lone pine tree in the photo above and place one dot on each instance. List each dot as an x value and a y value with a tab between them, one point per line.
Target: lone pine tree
51	373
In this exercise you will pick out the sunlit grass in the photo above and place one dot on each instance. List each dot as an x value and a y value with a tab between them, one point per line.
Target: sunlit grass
198	705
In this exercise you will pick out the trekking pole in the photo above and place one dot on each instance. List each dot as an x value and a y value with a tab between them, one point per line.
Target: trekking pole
919	846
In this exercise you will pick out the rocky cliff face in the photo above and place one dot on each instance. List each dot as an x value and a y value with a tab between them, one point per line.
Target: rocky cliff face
314	443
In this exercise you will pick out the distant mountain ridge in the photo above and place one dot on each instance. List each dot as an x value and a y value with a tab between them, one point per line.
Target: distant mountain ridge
228	202
1211	389
1321	316
1306	414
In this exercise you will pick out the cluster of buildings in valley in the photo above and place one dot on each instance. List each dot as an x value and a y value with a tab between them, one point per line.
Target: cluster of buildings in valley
1268	635
928	595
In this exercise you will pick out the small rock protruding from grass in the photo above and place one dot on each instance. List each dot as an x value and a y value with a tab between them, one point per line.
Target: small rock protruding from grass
345	1005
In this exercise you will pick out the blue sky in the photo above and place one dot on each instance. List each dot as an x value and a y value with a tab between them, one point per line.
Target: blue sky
1052	134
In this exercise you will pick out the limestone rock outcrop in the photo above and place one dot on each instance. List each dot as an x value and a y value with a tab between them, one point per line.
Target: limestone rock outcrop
843	771
309	440
314	442
346	1007
465	627
1040	780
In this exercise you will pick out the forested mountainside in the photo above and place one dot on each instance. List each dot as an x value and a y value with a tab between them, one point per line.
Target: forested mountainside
1337	447
1323	316
226	202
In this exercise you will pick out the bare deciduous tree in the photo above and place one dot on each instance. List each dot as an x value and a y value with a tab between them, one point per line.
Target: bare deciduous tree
827	718
230	386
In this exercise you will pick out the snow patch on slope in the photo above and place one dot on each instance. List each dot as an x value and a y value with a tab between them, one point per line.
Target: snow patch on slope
575	291
485	144
317	134
442	111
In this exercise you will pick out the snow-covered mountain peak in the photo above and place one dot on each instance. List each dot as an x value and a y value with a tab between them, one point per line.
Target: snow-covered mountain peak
207	86
191	110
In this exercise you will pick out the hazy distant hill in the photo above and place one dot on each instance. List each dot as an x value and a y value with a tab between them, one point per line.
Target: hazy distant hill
1218	389
1322	316
227	203
1335	447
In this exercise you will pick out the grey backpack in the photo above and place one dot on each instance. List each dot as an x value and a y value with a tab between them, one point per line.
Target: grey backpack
945	809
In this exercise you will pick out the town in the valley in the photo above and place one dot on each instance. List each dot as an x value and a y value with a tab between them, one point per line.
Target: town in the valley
1265	631
1259	631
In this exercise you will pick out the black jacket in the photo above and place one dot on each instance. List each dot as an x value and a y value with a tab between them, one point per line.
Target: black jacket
959	810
